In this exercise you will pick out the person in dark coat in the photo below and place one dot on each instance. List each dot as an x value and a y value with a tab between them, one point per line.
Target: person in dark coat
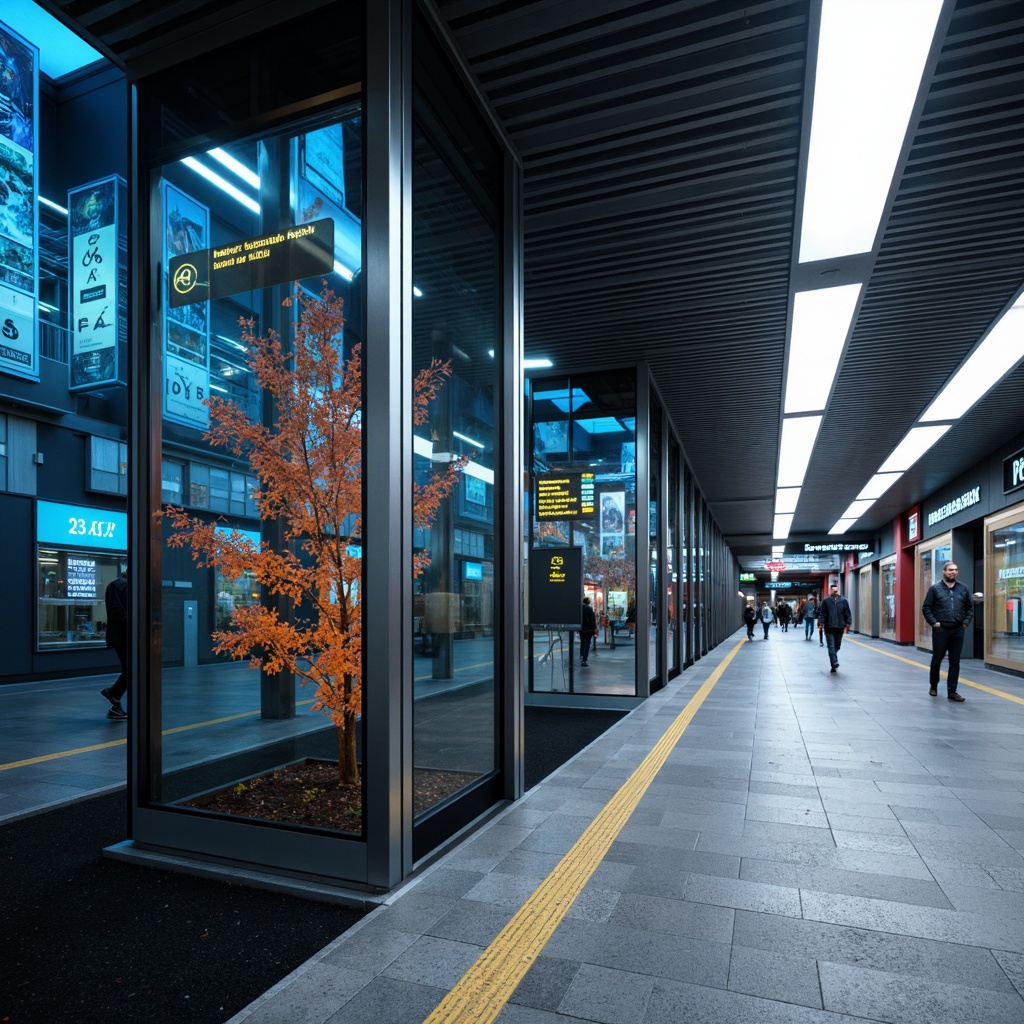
116	596
834	619
948	609
588	627
749	620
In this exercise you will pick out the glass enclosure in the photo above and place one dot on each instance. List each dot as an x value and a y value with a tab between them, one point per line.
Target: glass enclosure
1004	606
865	593
653	624
930	557
887	599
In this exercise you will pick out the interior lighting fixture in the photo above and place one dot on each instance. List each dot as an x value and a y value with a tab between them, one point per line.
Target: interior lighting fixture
236	167
999	353
53	206
60	51
857	509
871	55
222	183
782	526
878	485
842	526
916	442
340	268
786	499
537	364
468	440
419	295
821	321
798	436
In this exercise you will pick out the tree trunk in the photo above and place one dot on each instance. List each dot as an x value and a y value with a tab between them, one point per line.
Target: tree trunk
348	766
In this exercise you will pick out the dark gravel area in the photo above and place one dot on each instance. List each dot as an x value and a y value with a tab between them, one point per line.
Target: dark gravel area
87	939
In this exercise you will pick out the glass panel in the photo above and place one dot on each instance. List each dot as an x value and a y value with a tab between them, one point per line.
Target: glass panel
864	601
71	585
654	532
456	330
671	567
281	743
1005	610
930	560
887	600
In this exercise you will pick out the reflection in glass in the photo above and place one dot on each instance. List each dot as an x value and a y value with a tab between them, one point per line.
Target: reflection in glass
887	600
1005	604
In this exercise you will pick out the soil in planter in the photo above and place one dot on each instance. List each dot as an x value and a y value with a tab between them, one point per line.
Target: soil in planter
308	793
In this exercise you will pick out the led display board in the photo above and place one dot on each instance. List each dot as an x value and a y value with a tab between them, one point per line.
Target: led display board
291	254
564	495
556	587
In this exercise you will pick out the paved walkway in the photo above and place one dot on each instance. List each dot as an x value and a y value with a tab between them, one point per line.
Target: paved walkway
760	841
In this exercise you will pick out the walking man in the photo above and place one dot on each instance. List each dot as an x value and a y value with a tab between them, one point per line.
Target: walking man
834	619
948	609
116	596
810	614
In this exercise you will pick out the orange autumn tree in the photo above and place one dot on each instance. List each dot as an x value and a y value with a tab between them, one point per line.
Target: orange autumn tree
309	467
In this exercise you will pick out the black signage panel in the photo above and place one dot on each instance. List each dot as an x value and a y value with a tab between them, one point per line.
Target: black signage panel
564	495
556	587
1013	472
290	254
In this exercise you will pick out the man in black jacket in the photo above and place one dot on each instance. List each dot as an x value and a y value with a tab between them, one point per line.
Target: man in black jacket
117	637
834	619
948	609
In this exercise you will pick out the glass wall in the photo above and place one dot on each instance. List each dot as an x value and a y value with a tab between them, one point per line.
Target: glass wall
583	428
887	599
1004	585
865	592
930	558
672	552
654	620
456	280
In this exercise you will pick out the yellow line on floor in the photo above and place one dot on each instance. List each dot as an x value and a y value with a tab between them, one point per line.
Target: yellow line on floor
485	988
57	755
918	664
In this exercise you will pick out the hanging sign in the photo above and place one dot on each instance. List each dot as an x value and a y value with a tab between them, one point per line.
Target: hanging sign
775	566
564	495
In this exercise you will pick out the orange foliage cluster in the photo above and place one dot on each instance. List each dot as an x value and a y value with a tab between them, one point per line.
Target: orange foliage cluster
309	466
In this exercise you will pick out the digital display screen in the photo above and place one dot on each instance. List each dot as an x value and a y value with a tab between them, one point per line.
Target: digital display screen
564	495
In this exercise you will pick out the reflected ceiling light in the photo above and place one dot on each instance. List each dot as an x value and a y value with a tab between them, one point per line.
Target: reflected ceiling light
52	205
537	364
795	447
821	321
917	441
222	183
468	440
842	526
419	295
236	167
340	268
999	353
878	485
782	526
871	54
786	499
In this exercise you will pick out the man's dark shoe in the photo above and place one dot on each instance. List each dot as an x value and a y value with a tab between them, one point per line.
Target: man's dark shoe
113	700
116	711
835	666
933	692
956	697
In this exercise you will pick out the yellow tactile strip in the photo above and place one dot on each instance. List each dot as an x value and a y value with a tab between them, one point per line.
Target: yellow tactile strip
484	989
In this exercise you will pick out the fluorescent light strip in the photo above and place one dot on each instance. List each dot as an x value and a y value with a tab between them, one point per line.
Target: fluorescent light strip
536	364
224	185
871	54
917	441
468	440
857	509
786	499
52	205
995	357
417	292
782	526
821	322
842	526
235	166
340	268
878	485
798	436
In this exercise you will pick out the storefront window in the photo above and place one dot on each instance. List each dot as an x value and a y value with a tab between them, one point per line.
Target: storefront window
71	586
1004	606
931	556
864	601
887	599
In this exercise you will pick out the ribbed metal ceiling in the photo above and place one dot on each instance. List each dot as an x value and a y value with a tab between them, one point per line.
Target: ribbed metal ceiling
661	144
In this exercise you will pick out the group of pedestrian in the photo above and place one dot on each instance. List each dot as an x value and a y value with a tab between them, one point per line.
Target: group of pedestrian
948	608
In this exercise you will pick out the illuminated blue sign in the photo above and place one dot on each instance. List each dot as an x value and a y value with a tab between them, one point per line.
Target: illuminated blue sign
81	526
472	571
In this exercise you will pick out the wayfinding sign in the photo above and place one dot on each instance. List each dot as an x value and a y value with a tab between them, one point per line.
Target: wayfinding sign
565	495
290	254
556	587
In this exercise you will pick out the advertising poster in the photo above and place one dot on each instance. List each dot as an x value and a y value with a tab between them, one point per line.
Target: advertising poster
613	524
186	327
19	89
98	280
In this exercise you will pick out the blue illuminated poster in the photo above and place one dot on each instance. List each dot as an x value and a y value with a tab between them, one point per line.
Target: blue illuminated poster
19	91
97	247
187	327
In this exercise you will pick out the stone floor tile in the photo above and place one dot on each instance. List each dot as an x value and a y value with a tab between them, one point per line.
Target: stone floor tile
771	975
607	996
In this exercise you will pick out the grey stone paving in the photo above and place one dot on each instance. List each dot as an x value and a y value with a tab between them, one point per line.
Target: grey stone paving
817	849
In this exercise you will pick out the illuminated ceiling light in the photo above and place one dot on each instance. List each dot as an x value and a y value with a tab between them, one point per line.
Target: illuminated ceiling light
821	321
340	268
786	499
871	54
782	526
61	51
842	526
878	485
795	447
52	205
419	295
236	167
999	353
468	440
222	183
857	509
537	364
917	441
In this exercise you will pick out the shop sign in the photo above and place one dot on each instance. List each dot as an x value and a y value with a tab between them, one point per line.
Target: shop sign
748	577
1013	472
19	215
951	508
81	526
914	526
837	547
775	566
